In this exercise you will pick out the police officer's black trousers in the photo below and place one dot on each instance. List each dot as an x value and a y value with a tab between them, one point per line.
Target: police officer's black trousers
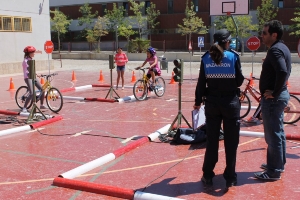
218	109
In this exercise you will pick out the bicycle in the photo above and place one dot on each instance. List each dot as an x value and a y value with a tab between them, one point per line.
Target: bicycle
143	85
53	96
291	115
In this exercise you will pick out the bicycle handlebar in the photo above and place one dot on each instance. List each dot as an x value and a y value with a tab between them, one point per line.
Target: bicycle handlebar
48	75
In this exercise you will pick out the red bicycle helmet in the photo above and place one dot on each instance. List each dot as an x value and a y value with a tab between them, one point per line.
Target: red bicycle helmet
29	49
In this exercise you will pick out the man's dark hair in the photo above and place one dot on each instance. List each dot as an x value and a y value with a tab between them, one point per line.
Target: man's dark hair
275	26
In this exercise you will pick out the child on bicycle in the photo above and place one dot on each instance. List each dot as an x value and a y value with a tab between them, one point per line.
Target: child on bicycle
154	69
29	54
120	59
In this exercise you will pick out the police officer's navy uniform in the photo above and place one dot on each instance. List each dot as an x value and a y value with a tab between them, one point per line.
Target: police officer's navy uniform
218	84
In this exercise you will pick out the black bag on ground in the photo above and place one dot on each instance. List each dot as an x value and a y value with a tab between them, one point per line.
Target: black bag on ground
189	136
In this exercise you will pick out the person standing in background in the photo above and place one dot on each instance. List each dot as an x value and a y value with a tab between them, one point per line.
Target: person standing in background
218	83
275	72
121	60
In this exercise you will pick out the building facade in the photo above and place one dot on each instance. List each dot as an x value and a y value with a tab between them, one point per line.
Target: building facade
23	23
166	35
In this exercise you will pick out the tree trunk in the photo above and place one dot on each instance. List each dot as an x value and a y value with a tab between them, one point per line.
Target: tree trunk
58	41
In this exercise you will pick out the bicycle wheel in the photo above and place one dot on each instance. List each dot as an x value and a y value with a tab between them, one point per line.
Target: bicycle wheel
140	90
54	100
245	105
291	111
160	87
21	96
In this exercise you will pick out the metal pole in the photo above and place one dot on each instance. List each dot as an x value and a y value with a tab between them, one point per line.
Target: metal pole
117	42
48	63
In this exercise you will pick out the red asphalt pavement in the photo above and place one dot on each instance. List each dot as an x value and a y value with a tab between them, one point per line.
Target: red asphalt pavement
31	160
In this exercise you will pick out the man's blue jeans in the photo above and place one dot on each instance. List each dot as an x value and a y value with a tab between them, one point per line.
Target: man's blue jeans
272	114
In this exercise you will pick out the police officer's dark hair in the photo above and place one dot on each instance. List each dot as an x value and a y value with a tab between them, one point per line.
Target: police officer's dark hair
275	26
216	52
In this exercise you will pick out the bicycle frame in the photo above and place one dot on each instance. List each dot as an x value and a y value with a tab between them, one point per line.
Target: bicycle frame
249	88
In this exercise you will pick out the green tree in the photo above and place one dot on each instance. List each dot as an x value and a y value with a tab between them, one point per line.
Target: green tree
59	24
266	12
295	28
115	17
152	15
245	27
138	15
126	31
86	19
97	32
191	22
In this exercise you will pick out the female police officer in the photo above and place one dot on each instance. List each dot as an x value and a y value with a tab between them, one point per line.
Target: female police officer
219	79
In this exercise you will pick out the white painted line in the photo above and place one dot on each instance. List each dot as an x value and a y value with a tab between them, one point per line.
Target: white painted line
128	139
80	133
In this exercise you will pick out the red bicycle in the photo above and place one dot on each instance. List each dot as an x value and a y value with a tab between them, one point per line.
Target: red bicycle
291	111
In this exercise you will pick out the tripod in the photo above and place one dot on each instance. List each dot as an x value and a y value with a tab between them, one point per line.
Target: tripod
111	89
32	115
179	115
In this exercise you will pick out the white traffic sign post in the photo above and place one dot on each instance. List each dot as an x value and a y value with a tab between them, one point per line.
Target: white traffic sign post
298	48
48	47
253	43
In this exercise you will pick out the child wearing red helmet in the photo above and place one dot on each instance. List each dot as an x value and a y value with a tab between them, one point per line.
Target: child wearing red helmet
28	55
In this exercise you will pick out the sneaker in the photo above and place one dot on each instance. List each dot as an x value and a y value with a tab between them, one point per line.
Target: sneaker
43	107
231	183
24	110
207	181
265	176
265	167
122	88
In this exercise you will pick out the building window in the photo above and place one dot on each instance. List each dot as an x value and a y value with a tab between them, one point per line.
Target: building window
196	6
147	5
103	8
10	23
125	6
251	5
280	4
170	6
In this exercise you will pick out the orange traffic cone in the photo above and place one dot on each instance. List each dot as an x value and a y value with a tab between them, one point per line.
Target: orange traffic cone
73	76
42	81
101	78
133	79
251	80
11	85
287	84
172	79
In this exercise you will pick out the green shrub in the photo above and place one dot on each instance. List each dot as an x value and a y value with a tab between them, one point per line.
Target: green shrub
138	45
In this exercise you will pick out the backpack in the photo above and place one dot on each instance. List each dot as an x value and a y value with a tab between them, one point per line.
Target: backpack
189	136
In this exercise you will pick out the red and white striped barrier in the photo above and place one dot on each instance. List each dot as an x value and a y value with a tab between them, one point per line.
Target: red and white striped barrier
112	156
261	134
29	127
107	190
89	99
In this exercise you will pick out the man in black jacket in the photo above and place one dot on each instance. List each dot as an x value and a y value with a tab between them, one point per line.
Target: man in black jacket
275	72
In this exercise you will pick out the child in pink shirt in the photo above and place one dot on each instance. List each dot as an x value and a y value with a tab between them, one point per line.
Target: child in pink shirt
154	69
121	60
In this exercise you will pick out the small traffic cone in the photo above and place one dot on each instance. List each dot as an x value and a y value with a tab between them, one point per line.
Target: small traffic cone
172	79
73	76
251	80
133	78
42	81
11	85
101	78
287	84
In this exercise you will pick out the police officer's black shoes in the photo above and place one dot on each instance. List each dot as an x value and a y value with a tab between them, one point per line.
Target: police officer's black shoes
207	181
231	183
